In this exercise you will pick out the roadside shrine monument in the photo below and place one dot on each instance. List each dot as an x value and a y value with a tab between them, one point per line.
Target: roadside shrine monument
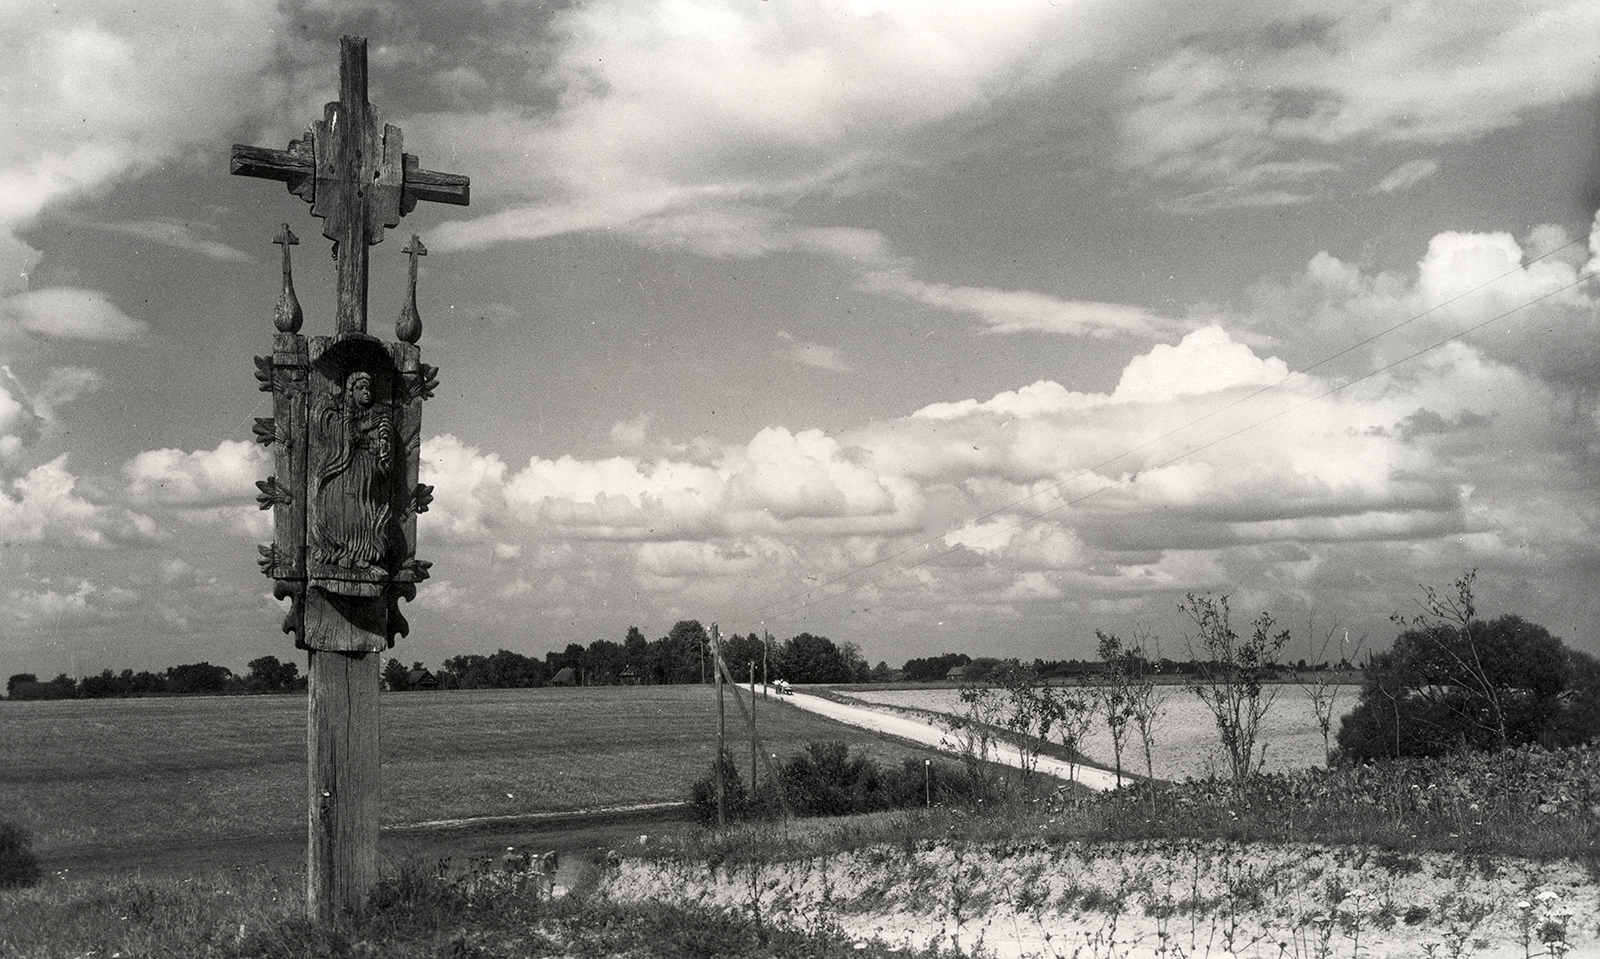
346	434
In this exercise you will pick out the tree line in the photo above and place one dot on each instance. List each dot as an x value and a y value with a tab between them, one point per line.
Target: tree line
681	656
266	675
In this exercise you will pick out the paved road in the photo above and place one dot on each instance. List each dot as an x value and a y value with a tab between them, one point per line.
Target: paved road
928	734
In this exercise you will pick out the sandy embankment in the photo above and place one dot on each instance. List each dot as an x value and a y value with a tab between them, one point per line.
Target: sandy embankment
1153	898
895	724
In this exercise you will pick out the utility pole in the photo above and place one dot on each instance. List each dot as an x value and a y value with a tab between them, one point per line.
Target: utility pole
752	728
722	726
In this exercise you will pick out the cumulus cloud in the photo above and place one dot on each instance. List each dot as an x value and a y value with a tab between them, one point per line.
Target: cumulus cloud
69	313
203	478
44	507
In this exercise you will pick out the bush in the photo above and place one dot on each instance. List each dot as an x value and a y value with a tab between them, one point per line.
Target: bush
1483	685
18	865
827	780
737	802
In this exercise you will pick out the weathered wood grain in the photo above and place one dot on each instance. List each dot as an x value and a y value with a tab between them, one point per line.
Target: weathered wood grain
342	781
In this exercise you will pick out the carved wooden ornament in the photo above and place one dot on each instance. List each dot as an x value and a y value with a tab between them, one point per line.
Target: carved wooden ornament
347	409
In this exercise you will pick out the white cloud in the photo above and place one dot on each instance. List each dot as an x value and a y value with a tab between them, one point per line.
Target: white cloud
1407	175
101	91
203	478
815	355
180	235
1206	361
69	313
44	507
673	112
1226	115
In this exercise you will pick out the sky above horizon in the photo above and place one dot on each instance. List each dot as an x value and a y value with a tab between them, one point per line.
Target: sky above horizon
933	326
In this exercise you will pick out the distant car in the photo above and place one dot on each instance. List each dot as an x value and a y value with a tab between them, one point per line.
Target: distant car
783	687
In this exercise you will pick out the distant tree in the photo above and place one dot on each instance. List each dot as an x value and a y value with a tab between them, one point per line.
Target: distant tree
934	668
854	662
198	678
146	683
11	684
395	675
269	675
739	652
103	686
681	654
812	659
1453	680
602	663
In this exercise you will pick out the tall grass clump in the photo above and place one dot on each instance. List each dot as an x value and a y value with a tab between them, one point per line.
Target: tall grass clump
19	867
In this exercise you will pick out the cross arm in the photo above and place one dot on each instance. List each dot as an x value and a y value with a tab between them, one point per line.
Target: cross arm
295	166
269	164
419	184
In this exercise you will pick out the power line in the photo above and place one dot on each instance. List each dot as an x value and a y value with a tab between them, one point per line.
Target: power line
1185	426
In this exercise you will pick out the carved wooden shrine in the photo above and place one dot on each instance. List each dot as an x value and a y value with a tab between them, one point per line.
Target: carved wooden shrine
345	431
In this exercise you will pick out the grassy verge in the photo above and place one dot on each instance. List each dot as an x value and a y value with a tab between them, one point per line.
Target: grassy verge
1521	803
474	911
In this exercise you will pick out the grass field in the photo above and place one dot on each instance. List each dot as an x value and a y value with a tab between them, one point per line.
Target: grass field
86	775
1186	740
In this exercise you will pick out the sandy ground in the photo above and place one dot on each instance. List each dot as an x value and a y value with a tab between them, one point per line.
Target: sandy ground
895	724
1154	898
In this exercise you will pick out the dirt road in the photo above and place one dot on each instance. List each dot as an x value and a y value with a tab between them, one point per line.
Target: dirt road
904	727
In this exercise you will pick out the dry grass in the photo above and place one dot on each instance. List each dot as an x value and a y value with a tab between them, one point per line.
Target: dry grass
118	773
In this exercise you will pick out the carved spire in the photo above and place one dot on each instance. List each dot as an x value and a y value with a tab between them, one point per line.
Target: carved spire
409	326
288	316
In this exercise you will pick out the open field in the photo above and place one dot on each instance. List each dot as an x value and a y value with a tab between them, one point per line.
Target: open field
1185	736
89	776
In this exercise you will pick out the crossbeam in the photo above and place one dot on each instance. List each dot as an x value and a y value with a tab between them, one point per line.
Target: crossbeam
353	171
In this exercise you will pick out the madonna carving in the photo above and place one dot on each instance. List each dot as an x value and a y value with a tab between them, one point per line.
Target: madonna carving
351	509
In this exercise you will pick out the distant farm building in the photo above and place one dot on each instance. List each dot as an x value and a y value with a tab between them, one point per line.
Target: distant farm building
421	679
565	676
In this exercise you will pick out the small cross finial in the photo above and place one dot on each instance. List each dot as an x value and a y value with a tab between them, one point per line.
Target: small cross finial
409	327
287	317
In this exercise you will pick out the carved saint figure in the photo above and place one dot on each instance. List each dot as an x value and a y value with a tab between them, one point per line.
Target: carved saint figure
351	525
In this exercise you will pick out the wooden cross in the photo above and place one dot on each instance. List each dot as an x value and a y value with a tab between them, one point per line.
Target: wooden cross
346	427
355	176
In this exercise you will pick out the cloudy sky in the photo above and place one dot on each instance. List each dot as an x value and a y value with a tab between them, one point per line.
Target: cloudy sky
928	326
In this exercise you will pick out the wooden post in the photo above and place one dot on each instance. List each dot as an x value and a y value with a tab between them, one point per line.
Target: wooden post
772	772
722	726
752	728
347	424
342	743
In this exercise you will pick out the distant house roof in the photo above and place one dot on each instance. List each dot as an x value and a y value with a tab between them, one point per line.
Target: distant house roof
565	676
956	672
421	679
